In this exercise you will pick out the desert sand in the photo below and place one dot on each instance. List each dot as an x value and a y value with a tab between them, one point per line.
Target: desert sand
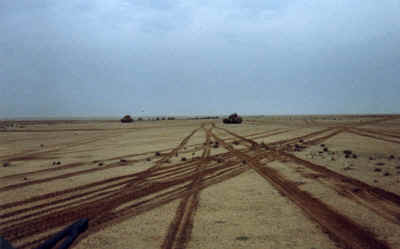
271	182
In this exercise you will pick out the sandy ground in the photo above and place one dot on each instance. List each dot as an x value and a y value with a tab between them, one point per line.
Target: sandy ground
271	182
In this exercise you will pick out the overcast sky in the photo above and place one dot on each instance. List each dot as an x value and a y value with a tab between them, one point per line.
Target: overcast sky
102	58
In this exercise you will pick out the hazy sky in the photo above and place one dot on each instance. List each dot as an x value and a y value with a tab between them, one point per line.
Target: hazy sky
101	57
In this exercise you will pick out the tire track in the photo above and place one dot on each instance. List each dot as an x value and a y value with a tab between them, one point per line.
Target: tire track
379	132
382	202
363	134
102	206
180	230
341	228
99	212
86	171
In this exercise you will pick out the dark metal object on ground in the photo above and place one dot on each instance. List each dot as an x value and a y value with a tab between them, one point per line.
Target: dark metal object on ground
69	235
4	244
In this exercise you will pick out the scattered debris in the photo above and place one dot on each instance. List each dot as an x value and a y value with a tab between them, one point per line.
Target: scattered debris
348	152
242	238
298	147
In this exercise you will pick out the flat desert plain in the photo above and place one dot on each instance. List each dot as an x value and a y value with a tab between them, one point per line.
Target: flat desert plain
271	182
